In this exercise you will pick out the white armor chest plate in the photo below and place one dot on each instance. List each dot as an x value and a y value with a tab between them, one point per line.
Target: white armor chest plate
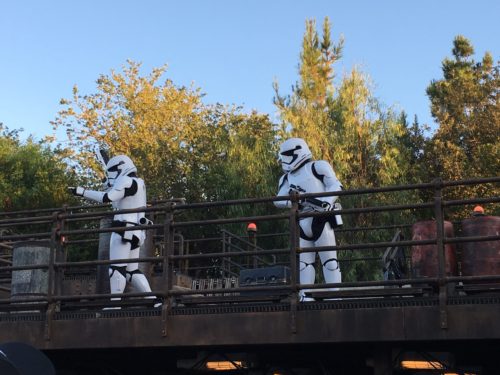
137	200
304	181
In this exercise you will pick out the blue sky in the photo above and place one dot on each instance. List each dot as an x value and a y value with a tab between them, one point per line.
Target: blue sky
232	50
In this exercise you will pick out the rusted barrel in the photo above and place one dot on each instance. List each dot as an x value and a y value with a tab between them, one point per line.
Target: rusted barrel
481	258
35	282
425	258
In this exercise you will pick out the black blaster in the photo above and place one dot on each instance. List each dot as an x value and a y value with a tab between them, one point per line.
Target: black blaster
316	204
313	204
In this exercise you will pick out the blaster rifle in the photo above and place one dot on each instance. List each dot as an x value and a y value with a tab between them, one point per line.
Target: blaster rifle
316	204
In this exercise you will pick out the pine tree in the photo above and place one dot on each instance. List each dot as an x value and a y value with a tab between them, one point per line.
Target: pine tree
305	112
465	104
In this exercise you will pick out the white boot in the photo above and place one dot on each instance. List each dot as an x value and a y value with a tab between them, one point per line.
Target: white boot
140	283
117	283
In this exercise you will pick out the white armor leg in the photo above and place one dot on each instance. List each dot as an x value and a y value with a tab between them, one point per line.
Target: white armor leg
118	249
136	278
307	270
331	269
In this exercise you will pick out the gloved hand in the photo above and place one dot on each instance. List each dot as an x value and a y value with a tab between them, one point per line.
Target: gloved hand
78	190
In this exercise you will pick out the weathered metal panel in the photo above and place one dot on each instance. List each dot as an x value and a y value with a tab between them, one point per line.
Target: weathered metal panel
390	324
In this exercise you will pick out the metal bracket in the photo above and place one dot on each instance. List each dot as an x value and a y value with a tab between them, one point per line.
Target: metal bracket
293	313
443	314
48	321
165	309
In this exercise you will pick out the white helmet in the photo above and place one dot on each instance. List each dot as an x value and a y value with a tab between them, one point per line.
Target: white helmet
117	166
293	153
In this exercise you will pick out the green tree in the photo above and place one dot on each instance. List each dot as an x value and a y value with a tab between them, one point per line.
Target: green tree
367	140
241	163
181	146
304	112
414	142
345	125
369	152
32	174
465	104
157	124
250	153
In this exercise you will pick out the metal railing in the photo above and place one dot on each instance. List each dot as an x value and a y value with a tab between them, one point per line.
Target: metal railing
173	247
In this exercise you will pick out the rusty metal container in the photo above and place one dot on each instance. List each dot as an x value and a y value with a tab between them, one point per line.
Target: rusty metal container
425	258
481	257
31	282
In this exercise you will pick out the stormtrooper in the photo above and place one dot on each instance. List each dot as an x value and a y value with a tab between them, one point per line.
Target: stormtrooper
125	191
303	175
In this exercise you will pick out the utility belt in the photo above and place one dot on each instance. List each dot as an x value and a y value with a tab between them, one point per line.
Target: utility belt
135	237
124	223
121	223
317	205
125	235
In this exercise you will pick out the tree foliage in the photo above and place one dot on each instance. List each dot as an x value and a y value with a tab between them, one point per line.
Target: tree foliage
32	175
414	142
182	147
157	124
304	112
465	104
344	124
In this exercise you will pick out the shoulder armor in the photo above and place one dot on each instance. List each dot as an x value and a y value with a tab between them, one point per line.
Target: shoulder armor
122	182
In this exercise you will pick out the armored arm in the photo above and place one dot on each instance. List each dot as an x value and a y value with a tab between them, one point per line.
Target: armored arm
117	192
325	172
283	189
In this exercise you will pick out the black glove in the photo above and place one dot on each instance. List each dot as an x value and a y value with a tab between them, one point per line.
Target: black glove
76	190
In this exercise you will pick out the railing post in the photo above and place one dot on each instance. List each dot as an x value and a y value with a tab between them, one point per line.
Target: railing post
52	288
224	250
252	238
60	255
438	212
186	261
294	263
168	250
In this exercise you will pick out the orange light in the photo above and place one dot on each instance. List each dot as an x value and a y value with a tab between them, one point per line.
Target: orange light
479	210
223	365
422	365
252	227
